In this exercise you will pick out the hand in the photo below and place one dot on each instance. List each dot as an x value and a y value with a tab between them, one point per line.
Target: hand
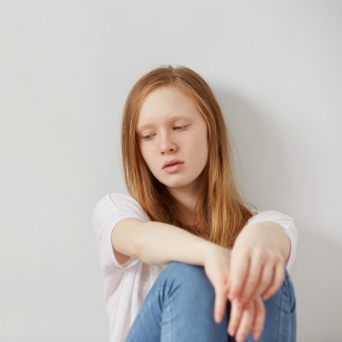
257	265
216	267
242	319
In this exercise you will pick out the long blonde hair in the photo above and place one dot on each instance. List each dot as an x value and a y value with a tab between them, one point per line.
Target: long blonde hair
221	206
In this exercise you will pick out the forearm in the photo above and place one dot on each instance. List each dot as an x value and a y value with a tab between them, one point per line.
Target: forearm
158	243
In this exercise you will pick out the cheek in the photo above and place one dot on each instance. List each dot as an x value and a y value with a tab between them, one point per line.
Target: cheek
204	154
147	155
202	147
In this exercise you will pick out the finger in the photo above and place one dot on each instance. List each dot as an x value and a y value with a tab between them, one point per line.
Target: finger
234	317
264	281
246	322
258	260
220	304
277	281
238	272
259	318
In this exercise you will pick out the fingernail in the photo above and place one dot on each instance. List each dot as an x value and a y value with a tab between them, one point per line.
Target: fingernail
257	335
231	331
239	338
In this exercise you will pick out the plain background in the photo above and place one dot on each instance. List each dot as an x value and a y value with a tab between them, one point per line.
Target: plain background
66	68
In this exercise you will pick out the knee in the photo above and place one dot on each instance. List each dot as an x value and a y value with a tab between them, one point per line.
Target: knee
189	276
183	270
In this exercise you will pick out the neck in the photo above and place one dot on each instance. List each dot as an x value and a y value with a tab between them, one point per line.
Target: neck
186	204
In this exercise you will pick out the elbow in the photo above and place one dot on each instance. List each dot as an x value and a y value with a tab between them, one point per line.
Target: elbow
137	243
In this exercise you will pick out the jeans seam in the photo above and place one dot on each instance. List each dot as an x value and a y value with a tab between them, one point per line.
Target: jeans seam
171	320
280	316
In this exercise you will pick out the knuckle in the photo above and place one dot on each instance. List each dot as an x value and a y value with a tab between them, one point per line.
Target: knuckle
233	324
280	277
253	280
265	280
219	290
244	249
235	272
280	257
233	289
270	290
250	309
281	280
239	273
259	254
243	299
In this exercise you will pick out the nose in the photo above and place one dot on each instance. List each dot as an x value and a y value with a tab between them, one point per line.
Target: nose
167	145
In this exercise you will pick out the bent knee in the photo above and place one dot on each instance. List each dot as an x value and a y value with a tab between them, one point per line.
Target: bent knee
187	274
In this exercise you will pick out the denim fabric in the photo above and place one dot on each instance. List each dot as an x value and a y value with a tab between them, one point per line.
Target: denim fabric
180	305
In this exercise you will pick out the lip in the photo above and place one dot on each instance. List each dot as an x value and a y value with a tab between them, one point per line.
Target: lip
172	162
173	166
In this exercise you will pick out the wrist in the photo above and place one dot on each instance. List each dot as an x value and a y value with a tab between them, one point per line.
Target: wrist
265	234
212	250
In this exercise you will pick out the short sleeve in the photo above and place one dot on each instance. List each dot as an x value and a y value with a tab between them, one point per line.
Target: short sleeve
110	210
287	223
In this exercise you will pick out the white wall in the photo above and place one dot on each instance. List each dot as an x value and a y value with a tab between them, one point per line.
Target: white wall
65	70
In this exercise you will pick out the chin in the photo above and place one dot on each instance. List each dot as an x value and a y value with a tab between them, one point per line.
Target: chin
178	185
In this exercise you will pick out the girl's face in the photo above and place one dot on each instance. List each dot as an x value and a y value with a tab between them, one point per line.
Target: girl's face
173	138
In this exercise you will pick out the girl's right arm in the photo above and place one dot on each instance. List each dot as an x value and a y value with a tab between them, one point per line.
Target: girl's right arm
158	244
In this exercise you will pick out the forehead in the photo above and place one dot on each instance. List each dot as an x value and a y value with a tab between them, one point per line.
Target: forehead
165	102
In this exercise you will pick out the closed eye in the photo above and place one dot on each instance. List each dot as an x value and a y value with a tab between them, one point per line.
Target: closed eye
148	136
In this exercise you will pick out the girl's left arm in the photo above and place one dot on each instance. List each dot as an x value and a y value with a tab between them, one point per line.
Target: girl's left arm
259	256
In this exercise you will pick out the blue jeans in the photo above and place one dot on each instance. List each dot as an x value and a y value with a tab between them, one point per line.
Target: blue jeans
180	306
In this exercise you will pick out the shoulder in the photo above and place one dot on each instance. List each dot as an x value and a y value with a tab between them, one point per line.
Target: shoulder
284	220
118	206
270	215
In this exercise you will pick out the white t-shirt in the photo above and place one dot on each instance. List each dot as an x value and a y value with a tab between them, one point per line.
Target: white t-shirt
126	286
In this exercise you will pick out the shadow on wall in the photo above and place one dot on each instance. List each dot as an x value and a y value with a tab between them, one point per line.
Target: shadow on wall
260	167
264	174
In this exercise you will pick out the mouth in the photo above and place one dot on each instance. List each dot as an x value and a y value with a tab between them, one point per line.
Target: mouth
172	163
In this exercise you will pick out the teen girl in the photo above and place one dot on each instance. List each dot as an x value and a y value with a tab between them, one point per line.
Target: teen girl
169	274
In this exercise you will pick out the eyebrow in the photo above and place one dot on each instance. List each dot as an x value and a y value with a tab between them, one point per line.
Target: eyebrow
142	127
173	118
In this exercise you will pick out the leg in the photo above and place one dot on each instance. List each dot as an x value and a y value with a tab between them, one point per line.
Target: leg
280	323
178	308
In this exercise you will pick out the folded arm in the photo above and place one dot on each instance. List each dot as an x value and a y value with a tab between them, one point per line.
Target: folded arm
157	243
